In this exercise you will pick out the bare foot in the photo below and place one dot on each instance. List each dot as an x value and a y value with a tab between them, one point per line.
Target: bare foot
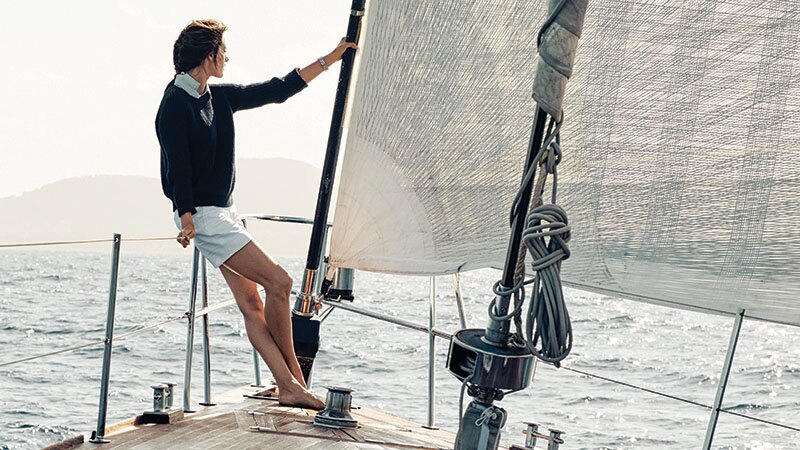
300	397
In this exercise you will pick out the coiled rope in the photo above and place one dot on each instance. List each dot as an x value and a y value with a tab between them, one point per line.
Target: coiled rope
548	330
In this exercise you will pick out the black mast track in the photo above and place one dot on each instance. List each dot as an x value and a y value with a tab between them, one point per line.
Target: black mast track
334	139
304	303
305	325
497	332
534	145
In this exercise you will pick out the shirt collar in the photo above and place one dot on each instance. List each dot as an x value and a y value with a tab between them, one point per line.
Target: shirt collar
185	81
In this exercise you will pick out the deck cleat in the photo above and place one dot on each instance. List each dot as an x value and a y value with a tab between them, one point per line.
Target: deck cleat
160	397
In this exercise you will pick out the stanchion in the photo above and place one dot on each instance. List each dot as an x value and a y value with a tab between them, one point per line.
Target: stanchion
187	373
99	433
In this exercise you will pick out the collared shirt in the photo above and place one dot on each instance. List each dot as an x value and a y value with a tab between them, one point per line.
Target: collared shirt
185	81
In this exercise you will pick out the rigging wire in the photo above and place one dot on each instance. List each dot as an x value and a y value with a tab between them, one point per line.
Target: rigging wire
134	331
640	388
85	241
768	422
680	399
37	244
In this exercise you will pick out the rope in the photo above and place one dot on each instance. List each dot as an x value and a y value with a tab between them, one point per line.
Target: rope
548	318
548	331
461	405
148	327
86	241
487	414
518	338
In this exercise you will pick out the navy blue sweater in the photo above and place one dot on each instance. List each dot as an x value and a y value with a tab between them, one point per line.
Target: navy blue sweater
197	160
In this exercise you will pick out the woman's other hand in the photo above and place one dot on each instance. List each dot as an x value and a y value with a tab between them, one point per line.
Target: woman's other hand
311	71
187	229
338	52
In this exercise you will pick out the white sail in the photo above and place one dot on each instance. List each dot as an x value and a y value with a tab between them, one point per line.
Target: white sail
437	135
681	140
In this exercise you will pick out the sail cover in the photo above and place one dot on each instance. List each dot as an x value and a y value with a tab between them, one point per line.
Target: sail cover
681	138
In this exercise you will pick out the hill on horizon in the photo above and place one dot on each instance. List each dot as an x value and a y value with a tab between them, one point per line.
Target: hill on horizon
95	207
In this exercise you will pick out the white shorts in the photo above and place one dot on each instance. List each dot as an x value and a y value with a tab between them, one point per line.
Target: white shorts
219	232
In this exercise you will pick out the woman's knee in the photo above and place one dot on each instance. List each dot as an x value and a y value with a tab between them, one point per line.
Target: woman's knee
251	304
280	283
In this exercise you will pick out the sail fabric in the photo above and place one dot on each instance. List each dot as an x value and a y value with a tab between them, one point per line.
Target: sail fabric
681	141
438	129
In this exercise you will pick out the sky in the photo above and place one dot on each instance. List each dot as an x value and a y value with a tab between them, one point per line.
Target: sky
81	82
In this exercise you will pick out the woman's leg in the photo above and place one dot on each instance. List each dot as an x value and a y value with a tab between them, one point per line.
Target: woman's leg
249	301
253	263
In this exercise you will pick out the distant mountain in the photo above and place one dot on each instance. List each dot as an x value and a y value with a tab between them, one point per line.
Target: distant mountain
97	206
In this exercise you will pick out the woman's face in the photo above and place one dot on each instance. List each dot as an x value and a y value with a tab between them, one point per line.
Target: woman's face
218	65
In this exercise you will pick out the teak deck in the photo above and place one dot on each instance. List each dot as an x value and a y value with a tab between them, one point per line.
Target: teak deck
217	427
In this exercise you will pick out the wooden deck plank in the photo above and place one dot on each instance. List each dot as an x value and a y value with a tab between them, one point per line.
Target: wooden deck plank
286	428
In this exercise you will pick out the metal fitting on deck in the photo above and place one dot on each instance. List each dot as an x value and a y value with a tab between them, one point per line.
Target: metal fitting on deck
531	433
555	439
170	394
160	397
337	409
341	284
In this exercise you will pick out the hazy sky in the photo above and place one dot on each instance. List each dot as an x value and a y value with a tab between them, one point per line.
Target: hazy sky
81	82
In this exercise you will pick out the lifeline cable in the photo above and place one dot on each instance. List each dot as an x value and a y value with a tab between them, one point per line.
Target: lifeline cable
135	330
680	399
86	241
91	344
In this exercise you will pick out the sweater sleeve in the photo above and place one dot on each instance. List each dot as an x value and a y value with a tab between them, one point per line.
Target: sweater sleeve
276	90
173	130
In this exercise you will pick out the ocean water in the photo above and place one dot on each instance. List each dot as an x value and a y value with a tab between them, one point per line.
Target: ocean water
54	299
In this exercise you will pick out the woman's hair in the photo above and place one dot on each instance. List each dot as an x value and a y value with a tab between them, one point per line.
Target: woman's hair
198	40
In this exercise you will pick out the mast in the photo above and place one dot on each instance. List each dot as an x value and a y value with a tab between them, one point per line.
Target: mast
306	328
486	361
497	332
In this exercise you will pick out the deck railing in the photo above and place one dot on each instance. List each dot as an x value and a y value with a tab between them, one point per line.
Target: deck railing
200	277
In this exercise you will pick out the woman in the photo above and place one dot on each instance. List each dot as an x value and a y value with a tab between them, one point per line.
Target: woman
194	125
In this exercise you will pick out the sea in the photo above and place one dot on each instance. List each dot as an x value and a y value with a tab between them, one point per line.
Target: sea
55	299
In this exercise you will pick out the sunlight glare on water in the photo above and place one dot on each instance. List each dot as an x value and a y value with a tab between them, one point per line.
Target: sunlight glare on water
50	300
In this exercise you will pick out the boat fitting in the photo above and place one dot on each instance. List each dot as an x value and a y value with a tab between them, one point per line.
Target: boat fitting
342	284
555	439
337	409
170	393
160	397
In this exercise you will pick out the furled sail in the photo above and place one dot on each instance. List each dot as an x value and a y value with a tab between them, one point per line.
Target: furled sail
681	138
